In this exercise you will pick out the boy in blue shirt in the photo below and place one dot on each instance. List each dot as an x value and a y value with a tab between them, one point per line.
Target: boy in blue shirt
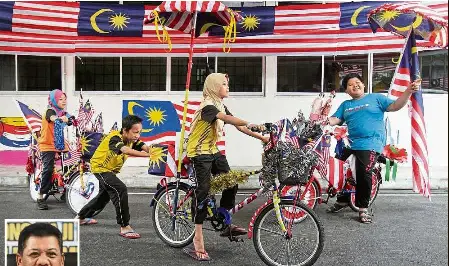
364	116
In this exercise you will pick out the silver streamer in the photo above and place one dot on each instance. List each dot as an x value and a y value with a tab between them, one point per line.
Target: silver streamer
287	163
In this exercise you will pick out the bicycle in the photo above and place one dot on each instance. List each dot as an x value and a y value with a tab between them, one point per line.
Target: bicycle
76	184
311	193
172	220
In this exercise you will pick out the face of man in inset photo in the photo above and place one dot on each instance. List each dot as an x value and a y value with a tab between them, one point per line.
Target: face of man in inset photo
40	247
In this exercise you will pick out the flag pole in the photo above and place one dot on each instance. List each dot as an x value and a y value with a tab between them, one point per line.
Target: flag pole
186	95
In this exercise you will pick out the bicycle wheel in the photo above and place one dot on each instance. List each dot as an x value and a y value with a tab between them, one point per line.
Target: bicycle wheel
76	196
376	180
310	198
274	247
184	230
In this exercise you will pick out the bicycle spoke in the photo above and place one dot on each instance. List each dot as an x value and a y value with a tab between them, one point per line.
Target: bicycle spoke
271	231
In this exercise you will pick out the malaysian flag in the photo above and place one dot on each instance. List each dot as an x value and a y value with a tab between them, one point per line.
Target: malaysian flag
407	71
32	118
98	124
51	28
85	114
73	156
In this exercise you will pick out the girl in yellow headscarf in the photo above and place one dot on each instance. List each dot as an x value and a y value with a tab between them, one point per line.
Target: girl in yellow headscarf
206	129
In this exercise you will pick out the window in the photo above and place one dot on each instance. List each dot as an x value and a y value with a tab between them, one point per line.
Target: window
383	71
336	67
434	71
39	73
144	74
97	73
299	74
199	72
245	73
7	73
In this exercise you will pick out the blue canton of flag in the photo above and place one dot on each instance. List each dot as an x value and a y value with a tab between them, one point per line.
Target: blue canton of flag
110	20
255	21
159	117
6	15
355	15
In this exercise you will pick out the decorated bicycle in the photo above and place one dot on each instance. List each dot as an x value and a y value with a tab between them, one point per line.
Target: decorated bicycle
340	175
71	178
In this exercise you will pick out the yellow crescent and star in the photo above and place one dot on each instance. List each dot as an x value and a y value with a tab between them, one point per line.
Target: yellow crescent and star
156	116
117	21
249	23
356	14
388	15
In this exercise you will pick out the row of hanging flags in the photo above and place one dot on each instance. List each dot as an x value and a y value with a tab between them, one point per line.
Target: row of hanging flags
89	28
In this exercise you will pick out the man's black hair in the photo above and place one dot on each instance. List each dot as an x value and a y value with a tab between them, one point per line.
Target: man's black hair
130	120
344	83
39	230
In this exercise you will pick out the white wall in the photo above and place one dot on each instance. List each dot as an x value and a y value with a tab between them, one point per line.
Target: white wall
243	151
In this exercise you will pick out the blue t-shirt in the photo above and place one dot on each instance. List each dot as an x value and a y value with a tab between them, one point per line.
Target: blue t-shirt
365	120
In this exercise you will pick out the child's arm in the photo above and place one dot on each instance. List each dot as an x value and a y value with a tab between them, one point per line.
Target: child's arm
129	151
248	132
241	125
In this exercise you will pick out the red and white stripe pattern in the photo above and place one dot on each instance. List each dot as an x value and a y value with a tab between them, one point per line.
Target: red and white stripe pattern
420	165
45	27
401	80
182	13
335	171
35	123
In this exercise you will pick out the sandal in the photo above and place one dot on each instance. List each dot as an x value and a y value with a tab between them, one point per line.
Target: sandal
235	230
365	217
337	207
87	221
130	235
197	255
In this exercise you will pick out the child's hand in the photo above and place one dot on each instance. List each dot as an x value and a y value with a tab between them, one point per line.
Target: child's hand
64	119
414	86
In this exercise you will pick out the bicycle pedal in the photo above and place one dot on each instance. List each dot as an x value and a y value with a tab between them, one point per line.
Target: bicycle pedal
235	239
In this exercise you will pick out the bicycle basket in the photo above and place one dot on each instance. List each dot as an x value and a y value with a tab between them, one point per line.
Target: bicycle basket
288	163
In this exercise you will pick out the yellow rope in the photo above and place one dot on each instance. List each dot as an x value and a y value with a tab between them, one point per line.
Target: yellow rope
165	35
230	32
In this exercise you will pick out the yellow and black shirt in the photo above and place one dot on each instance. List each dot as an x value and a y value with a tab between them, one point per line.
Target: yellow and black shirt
108	157
202	138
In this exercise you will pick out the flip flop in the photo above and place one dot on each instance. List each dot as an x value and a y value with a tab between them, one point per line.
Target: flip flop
88	221
130	235
194	254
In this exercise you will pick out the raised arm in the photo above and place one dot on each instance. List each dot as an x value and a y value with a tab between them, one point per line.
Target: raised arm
403	99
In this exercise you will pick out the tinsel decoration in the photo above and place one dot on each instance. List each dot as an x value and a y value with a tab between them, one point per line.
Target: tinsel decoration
289	164
230	179
59	134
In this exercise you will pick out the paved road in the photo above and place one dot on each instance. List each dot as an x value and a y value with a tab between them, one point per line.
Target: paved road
407	230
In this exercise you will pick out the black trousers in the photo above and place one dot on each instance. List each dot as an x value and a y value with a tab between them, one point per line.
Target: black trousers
48	166
364	165
111	188
204	167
